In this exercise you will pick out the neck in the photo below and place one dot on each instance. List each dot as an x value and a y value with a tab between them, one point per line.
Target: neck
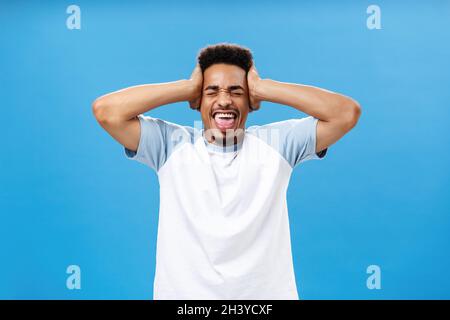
225	139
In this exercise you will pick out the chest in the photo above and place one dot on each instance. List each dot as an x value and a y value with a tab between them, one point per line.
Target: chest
255	169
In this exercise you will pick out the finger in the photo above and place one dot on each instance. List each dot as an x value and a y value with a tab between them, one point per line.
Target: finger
196	70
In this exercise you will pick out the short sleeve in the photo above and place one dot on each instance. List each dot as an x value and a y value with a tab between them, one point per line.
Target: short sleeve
295	139
157	140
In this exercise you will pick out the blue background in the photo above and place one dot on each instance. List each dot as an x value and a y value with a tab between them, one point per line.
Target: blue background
69	196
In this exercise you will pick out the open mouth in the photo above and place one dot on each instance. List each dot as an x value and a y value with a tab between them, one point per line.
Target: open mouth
225	119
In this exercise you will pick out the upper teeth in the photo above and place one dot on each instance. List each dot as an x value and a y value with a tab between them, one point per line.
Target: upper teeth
227	115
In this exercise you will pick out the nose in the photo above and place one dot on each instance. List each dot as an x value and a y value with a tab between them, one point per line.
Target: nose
224	98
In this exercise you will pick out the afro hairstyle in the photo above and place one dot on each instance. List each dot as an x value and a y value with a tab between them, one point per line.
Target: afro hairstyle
227	53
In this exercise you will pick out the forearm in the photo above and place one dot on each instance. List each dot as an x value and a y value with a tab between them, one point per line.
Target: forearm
126	104
319	103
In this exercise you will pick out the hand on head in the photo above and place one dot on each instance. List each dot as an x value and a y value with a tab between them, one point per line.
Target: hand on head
253	81
197	85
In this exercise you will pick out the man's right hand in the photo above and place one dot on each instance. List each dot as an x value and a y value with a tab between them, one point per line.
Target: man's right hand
197	85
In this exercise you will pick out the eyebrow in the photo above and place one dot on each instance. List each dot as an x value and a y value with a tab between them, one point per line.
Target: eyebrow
231	88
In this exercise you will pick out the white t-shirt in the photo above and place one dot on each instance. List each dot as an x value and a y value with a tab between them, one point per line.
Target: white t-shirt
223	230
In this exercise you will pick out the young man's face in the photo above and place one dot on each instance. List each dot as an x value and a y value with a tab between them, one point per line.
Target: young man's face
225	99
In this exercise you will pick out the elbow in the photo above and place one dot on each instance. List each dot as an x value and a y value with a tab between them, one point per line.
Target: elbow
352	114
102	111
99	110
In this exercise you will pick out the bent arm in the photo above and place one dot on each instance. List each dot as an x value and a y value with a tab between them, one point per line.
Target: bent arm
117	112
337	113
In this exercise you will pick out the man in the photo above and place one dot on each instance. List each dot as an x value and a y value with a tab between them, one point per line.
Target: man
223	227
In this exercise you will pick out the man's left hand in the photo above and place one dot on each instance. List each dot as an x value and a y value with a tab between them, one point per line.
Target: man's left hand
253	81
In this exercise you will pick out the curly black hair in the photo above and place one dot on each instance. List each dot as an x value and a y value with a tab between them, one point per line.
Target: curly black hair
228	53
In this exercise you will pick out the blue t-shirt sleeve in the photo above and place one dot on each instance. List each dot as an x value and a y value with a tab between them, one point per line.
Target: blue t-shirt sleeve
294	139
157	140
302	140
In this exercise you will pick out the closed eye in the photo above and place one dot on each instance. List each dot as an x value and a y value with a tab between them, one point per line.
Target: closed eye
234	93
